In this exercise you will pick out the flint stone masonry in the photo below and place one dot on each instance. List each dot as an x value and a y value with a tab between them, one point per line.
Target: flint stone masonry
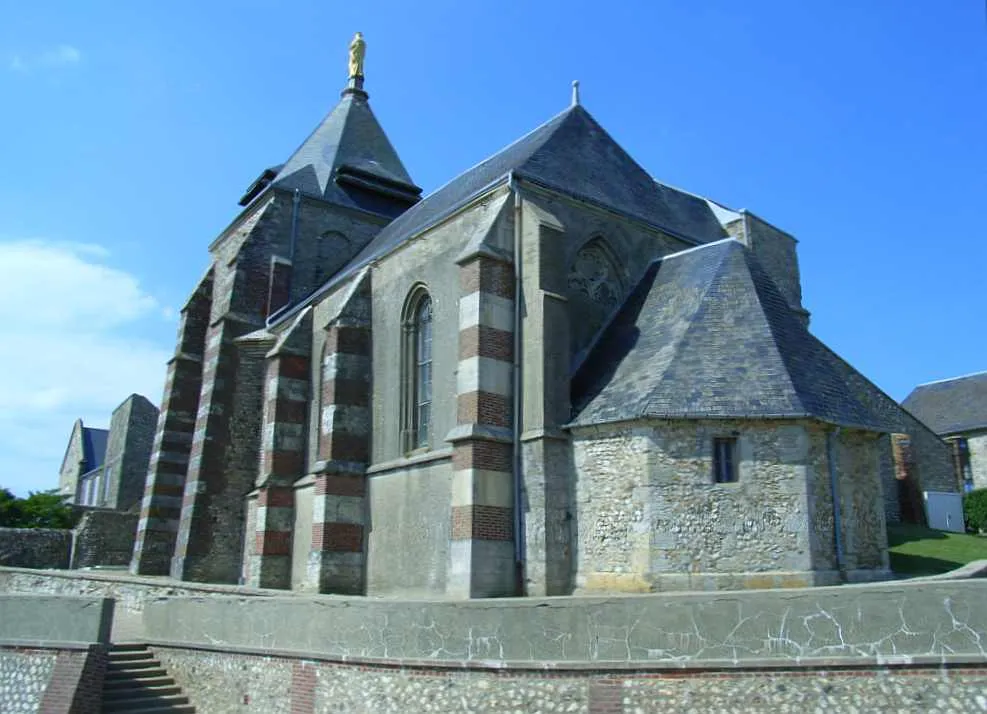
24	676
35	547
650	517
225	683
978	458
931	621
104	538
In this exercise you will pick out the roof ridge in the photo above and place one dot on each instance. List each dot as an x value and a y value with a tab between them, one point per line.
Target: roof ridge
752	265
499	151
951	379
722	205
676	344
700	247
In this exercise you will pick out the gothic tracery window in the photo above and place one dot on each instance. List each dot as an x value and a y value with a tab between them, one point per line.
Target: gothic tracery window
595	289
594	274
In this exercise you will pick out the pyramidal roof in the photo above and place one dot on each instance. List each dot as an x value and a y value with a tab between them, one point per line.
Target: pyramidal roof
707	334
951	406
349	160
570	153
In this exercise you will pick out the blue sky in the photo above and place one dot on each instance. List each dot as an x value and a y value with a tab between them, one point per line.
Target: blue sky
129	131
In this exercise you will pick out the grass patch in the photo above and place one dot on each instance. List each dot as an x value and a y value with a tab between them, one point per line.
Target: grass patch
915	550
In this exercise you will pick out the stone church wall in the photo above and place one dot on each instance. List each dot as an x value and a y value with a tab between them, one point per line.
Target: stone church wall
409	534
977	443
775	251
649	517
68	475
429	261
932	468
631	245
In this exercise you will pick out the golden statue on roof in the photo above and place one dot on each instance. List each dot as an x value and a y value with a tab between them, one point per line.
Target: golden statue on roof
358	48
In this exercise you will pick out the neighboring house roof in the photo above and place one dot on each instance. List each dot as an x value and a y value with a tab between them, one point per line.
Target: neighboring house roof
707	334
951	406
347	153
94	447
571	154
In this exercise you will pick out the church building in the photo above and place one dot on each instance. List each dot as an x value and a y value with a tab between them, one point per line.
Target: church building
553	375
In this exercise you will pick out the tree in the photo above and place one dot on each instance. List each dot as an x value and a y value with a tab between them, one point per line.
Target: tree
975	510
41	509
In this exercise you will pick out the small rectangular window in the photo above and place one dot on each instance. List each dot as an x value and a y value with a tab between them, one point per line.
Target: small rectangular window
725	459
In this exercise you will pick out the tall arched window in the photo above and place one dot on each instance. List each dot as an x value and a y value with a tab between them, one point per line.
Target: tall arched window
417	373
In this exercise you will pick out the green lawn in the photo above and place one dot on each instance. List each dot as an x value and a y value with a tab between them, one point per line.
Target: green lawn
922	551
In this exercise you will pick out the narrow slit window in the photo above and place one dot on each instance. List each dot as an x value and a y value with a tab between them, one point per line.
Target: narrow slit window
725	460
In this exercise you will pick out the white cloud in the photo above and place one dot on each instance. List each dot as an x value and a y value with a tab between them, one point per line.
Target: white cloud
58	56
67	352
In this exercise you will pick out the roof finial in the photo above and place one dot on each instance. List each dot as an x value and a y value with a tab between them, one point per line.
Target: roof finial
575	92
358	48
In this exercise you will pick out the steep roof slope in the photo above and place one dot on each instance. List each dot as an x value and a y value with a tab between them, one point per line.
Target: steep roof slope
707	334
952	405
350	140
572	154
94	446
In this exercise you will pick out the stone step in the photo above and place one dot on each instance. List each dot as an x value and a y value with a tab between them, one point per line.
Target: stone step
145	663
130	656
176	709
128	648
136	682
139	691
144	704
147	679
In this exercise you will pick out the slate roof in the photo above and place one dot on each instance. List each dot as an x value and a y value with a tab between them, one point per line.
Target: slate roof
707	334
952	405
349	140
572	154
94	447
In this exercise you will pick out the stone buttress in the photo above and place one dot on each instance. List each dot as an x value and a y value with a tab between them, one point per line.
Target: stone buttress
482	559
162	504
337	559
267	540
546	459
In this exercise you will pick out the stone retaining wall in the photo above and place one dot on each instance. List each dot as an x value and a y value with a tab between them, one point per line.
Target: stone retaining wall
227	682
933	622
35	547
104	538
24	676
52	653
130	592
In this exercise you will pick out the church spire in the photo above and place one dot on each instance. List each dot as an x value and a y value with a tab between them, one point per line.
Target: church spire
358	49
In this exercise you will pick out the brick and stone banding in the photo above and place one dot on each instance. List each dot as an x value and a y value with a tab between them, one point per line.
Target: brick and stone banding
283	446
482	530
161	506
224	456
337	558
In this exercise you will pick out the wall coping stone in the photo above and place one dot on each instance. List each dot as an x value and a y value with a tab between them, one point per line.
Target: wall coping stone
595	666
146	580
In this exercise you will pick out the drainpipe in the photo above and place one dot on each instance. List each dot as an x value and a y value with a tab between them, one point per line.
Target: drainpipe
837	524
516	420
296	199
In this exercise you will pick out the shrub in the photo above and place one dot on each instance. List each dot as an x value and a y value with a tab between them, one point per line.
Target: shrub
975	510
41	509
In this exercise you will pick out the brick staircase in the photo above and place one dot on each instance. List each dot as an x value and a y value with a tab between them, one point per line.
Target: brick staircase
136	682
